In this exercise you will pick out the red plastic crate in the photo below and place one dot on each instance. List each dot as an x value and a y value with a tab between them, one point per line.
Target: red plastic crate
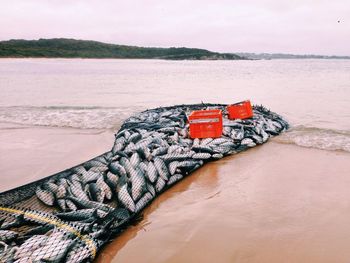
240	110
205	124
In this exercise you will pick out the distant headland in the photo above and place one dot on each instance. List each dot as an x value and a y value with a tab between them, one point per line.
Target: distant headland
72	48
269	56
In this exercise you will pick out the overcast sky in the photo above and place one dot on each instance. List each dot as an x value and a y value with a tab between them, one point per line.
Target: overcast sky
294	26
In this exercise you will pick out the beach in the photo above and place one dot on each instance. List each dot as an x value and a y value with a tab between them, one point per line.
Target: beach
32	153
285	201
274	203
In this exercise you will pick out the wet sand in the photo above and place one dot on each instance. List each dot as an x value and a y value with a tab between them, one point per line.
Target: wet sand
30	153
274	203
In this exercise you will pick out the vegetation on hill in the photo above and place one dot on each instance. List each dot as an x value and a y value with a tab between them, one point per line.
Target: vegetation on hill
72	48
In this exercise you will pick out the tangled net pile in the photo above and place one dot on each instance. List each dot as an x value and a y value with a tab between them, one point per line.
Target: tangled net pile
68	216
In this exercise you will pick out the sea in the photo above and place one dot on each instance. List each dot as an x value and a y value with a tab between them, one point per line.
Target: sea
312	94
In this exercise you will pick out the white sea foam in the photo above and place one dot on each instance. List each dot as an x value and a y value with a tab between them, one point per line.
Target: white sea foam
315	93
113	117
75	117
313	137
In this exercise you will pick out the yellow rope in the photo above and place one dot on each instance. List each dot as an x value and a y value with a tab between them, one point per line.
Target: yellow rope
84	238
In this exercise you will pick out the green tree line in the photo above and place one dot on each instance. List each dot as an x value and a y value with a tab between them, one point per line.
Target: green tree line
72	48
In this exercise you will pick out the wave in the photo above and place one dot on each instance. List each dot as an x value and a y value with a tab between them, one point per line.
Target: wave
67	116
318	138
95	117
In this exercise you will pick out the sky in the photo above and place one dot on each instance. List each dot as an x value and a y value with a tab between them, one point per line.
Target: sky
271	26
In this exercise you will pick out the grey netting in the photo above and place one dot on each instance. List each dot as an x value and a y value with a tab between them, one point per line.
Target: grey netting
68	216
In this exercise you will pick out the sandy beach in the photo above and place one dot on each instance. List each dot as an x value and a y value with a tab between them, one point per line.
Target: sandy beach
31	153
273	203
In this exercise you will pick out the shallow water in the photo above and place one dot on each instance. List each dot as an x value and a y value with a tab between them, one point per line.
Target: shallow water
314	95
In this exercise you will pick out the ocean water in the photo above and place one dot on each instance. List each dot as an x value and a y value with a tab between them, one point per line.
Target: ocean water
313	95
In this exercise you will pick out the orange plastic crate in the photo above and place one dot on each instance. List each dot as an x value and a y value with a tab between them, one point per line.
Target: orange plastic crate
240	110
205	124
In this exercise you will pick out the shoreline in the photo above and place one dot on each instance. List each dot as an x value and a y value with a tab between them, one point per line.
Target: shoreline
32	153
162	59
266	204
165	59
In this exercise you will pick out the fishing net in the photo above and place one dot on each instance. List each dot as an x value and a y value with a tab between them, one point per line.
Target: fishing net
69	216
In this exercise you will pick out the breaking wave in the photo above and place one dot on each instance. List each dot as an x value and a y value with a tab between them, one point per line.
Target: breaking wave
67	116
319	138
112	117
